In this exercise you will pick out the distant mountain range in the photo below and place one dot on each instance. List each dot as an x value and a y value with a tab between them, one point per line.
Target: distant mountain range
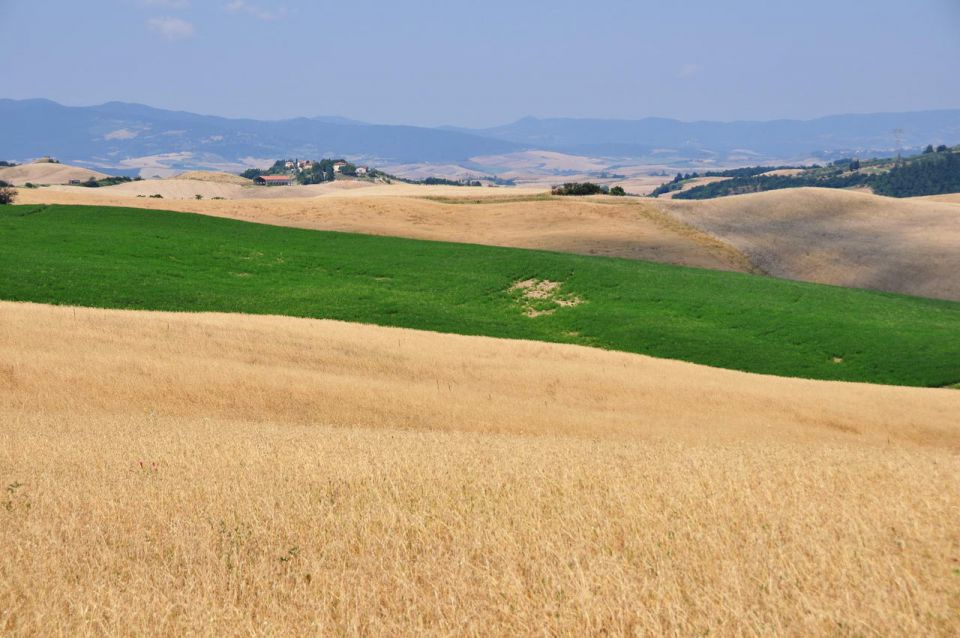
130	137
118	135
784	139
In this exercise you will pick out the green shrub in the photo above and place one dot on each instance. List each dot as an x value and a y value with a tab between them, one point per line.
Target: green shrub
106	181
578	189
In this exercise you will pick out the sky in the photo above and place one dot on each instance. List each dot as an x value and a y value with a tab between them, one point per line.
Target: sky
479	64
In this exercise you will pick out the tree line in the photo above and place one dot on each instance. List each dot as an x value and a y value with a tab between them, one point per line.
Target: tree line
934	172
586	188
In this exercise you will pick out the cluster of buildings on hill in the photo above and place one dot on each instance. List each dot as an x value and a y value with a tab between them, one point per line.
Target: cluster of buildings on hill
297	166
302	165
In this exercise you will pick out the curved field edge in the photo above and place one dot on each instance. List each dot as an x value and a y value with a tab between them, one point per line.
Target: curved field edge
584	226
157	260
173	473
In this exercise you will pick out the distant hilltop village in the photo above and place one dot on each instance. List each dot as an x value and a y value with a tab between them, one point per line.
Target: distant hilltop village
338	166
287	172
296	171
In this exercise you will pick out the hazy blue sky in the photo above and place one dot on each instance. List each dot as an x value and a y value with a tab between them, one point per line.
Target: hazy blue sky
486	63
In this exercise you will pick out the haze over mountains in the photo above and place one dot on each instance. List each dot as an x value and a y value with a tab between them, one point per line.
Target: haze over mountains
135	138
824	137
113	134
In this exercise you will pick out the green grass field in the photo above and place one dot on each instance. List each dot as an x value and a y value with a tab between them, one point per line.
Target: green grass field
131	258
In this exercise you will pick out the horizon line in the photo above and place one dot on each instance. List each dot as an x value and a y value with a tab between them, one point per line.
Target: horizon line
347	120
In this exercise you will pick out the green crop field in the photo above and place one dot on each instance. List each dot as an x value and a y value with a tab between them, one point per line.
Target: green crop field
131	258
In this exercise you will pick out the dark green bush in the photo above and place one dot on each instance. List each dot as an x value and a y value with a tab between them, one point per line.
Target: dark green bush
578	189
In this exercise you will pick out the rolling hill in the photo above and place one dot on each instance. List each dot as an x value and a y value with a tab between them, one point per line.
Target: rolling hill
131	258
215	177
931	173
569	489
827	236
46	173
839	237
519	218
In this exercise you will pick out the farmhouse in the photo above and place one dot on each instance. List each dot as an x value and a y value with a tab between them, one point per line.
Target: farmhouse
273	180
338	166
362	170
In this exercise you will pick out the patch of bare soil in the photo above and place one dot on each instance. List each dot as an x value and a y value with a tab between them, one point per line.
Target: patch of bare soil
539	297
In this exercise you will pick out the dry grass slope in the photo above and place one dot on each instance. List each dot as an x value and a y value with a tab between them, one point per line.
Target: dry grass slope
844	238
215	474
953	198
46	173
498	217
216	177
826	236
180	188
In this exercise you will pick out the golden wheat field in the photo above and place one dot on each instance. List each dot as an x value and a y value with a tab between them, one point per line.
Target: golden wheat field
222	475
